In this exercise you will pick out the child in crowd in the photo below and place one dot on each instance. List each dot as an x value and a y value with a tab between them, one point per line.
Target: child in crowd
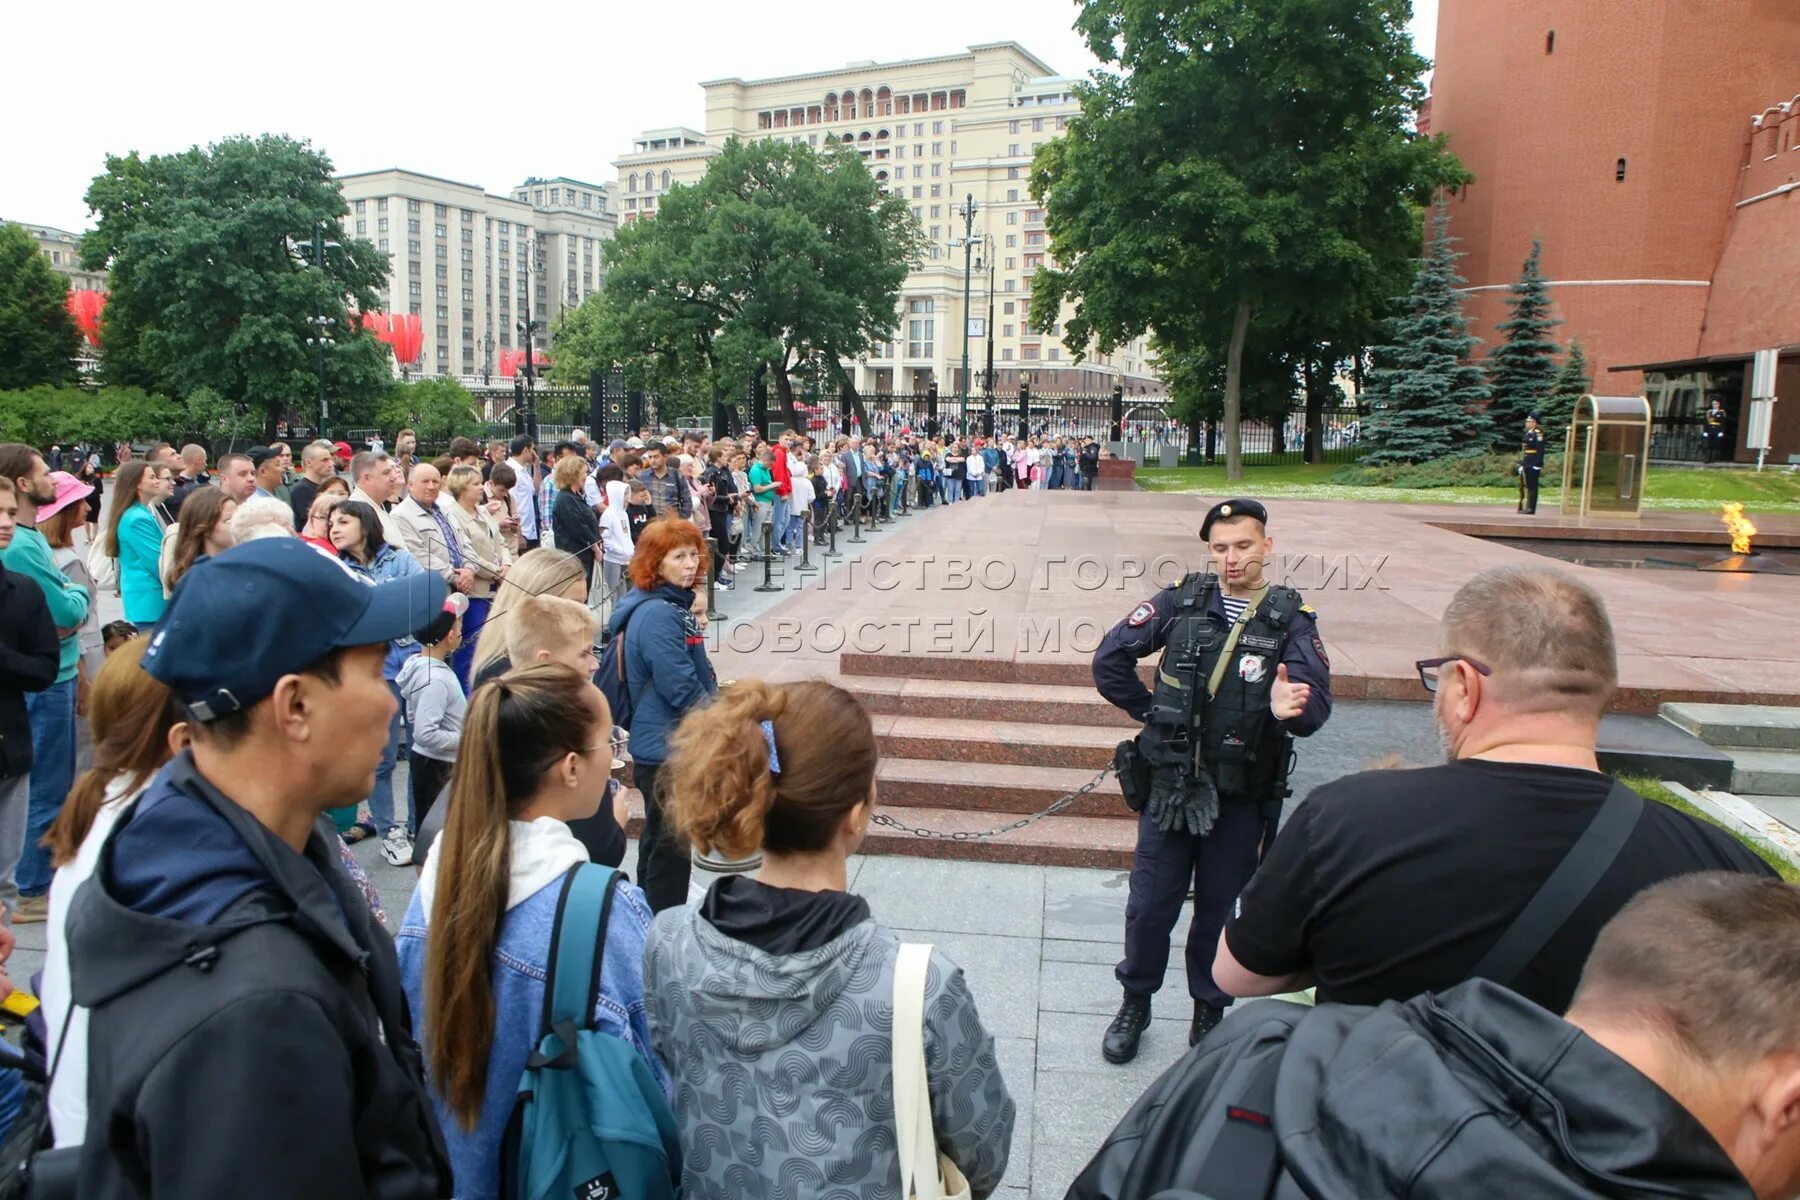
434	708
821	503
616	538
639	511
114	634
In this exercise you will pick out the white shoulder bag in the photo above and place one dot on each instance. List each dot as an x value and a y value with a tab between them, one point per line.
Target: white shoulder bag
924	1173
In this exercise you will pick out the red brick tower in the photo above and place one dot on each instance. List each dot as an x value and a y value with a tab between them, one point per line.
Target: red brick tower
1614	130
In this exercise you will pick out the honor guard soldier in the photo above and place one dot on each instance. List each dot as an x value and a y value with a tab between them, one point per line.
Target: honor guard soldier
1531	463
1714	431
1242	673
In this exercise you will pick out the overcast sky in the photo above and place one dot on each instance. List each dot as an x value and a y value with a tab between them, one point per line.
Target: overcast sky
440	88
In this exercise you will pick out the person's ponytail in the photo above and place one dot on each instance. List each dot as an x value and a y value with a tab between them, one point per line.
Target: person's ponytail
476	850
732	793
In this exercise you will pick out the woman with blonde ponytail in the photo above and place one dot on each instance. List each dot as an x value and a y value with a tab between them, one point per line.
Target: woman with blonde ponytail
776	991
475	945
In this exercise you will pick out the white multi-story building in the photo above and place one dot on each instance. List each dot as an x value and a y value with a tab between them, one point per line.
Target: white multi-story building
460	257
938	132
63	249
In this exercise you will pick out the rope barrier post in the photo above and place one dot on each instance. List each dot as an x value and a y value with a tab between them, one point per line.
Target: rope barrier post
831	526
768	584
856	507
806	566
712	579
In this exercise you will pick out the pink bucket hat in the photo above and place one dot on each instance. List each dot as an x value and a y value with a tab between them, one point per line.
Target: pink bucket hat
69	490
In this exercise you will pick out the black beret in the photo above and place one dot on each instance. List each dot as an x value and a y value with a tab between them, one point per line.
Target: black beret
1227	509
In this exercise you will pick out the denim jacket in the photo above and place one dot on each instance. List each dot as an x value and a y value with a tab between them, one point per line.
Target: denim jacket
390	563
521	961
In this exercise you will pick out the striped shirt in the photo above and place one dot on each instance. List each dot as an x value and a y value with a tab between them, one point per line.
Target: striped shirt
1234	607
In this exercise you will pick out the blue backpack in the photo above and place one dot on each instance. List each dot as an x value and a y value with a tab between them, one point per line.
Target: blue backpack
591	1122
609	676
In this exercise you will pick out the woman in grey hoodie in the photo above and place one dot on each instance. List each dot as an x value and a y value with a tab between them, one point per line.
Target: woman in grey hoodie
771	1001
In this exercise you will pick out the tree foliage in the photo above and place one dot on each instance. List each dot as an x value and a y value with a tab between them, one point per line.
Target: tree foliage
782	258
66	415
205	291
1522	369
1427	396
1243	162
434	409
38	339
1574	380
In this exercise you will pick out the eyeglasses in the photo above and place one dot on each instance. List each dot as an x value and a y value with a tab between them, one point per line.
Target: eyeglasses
1430	668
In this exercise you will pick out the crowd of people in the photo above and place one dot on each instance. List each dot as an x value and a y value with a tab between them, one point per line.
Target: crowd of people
224	1006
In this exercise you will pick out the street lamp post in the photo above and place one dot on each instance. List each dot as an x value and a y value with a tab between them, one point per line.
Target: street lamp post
969	241
321	340
527	327
988	388
314	251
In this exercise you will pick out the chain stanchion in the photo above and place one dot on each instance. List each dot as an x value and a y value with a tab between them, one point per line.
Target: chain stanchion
806	567
856	509
831	526
768	584
871	507
974	835
712	579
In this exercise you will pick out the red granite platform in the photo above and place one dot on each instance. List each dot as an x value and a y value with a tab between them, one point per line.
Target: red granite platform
1014	590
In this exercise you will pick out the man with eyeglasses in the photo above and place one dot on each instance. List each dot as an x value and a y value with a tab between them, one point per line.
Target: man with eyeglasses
1242	673
1504	862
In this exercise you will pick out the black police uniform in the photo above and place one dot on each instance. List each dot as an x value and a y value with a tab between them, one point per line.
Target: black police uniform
1531	463
1715	433
1218	863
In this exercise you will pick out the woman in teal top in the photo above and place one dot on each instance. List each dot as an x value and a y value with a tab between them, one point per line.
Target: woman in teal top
134	538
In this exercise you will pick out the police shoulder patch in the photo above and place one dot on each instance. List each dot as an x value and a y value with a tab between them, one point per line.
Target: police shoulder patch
1309	610
1141	614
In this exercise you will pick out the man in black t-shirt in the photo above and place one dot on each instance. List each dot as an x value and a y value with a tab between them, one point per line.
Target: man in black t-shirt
1387	884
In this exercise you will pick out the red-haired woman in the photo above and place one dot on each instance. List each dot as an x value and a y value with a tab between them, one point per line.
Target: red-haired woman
667	674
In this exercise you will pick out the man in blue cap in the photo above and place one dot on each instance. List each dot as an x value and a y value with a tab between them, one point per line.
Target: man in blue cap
1242	673
247	1027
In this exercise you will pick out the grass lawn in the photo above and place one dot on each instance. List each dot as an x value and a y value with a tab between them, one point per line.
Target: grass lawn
1771	490
1650	789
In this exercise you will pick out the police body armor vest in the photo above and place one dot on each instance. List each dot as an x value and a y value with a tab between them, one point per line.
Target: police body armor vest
1231	734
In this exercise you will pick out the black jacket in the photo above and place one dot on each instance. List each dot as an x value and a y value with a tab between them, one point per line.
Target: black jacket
1474	1094
575	528
29	657
248	1032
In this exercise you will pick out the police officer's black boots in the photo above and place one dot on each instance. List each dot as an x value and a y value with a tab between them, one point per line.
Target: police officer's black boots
1120	1045
1206	1019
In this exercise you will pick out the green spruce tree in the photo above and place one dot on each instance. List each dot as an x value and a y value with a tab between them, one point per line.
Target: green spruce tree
1522	371
1573	382
1427	396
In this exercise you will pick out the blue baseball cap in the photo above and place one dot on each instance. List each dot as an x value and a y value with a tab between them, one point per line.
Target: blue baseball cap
241	620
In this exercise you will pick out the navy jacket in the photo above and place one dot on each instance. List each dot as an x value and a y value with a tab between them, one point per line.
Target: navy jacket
1146	629
666	668
30	655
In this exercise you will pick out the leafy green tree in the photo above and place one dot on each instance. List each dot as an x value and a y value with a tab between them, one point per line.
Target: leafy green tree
781	257
1522	369
38	339
1425	393
1242	162
206	287
51	414
435	409
1573	381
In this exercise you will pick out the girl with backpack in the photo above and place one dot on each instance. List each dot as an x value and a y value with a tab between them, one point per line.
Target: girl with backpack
777	990
475	946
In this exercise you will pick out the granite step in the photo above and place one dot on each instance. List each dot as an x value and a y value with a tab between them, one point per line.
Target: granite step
1017	743
1764	772
996	788
1752	726
1060	841
1052	704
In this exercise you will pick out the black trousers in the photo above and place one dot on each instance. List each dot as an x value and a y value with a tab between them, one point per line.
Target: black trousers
426	777
663	864
1217	866
1531	489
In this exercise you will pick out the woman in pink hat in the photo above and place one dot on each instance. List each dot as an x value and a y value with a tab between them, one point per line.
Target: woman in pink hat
58	521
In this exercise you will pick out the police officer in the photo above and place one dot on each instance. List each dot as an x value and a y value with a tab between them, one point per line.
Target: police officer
1242	672
1715	431
1531	464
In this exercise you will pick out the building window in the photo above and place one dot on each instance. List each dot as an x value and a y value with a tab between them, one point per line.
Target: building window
382	245
1028	353
937	170
1012	172
1006	354
1006	330
361	205
1008	308
412	225
381	224
920	338
1012	264
937	127
1619	172
1012	150
1012	240
440	210
381	204
1012	126
362	227
937	149
440	231
412	206
665	179
1012	218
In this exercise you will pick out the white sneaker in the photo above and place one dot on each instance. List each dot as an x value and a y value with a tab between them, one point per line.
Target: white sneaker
396	847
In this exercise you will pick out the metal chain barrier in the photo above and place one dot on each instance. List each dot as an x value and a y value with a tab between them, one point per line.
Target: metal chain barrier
965	835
